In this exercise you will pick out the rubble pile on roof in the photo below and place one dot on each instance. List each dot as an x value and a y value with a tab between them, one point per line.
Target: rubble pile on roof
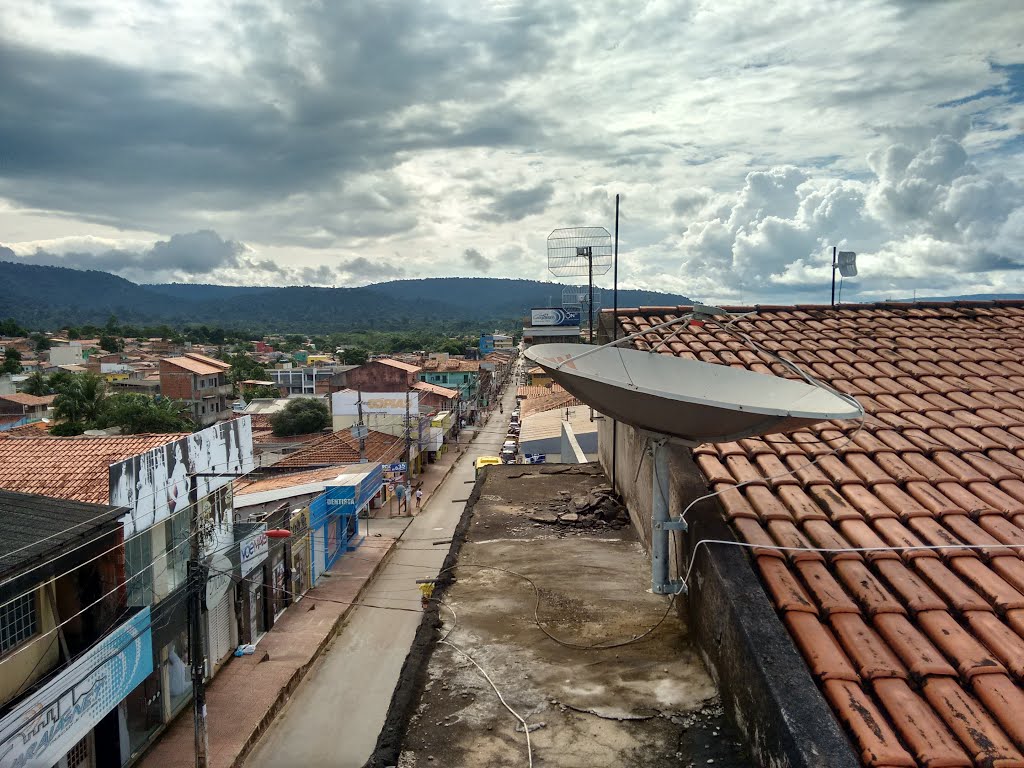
597	509
920	653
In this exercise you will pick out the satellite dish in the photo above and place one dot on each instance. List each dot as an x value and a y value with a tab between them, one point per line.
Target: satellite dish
687	399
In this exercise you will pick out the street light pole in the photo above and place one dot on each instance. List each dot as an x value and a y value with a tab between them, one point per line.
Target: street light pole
197	656
834	256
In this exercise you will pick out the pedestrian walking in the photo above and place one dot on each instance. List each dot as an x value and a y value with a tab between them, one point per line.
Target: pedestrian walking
419	497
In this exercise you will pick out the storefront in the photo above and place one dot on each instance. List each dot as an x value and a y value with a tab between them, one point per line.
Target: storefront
334	515
298	551
114	684
253	550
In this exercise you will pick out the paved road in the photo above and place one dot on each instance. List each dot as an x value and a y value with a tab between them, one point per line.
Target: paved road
338	711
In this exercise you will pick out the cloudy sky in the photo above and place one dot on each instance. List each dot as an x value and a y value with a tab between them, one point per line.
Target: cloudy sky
340	143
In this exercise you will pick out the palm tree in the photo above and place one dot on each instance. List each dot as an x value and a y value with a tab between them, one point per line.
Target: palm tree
36	384
80	400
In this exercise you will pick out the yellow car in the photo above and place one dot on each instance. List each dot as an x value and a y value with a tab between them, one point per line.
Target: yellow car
485	461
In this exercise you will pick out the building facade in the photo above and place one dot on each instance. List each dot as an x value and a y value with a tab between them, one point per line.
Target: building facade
200	381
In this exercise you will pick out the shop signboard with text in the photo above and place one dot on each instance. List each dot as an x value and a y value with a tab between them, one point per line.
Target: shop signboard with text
47	724
553	316
253	550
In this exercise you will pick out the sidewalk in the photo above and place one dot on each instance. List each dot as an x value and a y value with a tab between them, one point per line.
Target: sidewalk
247	693
431	477
249	690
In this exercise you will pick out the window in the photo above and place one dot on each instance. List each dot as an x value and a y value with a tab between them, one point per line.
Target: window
138	568
17	622
176	535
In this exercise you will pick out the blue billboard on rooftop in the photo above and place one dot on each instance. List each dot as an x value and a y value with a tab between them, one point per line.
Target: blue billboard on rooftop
553	316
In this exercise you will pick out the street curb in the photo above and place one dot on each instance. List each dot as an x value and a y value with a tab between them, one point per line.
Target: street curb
412	677
300	673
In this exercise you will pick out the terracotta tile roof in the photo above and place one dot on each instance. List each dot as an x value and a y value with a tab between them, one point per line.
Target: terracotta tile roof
200	364
22	399
69	467
919	653
423	386
341	448
398	364
548	402
285	480
451	364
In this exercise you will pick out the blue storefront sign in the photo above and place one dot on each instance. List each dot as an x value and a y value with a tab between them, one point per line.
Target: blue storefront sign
334	514
46	725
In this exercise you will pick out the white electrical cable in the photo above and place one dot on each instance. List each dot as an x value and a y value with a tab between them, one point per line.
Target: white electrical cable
526	728
108	511
22	574
124	583
842	550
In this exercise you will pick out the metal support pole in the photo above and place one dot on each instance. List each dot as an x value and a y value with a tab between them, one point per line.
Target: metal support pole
615	332
362	434
590	300
659	514
196	586
834	250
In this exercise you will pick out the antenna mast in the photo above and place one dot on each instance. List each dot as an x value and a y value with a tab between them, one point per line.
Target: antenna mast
578	251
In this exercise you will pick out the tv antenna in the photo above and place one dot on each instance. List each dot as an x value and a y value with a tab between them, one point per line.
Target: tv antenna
578	251
668	398
577	298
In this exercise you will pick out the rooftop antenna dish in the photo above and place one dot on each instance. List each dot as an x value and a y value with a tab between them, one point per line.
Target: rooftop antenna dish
578	251
578	298
670	398
846	263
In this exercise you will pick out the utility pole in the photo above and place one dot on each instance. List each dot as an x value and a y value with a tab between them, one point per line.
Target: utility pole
196	585
408	439
362	432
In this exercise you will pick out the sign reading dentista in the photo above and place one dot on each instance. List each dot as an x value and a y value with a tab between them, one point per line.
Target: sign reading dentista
554	316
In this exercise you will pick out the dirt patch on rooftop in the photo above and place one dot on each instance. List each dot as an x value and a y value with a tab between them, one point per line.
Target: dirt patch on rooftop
646	703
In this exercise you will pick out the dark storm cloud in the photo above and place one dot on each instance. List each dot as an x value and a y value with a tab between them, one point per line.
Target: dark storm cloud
476	260
133	146
517	204
360	267
196	253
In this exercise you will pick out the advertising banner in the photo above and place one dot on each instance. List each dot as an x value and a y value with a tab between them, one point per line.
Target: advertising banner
155	484
345	403
253	550
43	727
554	316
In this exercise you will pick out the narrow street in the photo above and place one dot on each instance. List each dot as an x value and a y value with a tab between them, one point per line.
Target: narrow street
337	713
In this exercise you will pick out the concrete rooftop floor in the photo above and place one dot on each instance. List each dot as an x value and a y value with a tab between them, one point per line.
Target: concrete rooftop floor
649	703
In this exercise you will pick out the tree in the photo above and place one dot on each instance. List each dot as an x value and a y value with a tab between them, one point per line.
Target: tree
79	402
244	368
42	343
111	343
354	356
36	384
12	361
11	328
137	414
300	417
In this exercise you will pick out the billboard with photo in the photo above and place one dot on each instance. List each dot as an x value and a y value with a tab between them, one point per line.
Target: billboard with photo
154	485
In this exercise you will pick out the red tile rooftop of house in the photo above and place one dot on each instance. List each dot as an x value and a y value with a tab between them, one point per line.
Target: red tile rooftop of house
919	653
341	448
69	467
